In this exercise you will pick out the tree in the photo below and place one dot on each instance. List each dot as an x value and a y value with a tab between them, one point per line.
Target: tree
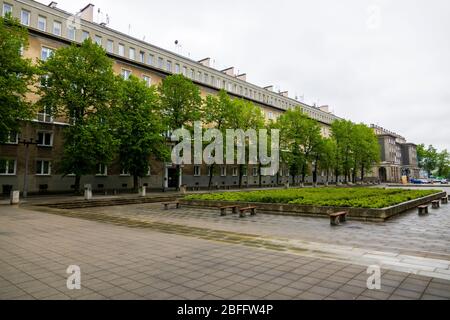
217	114
443	164
139	128
16	75
181	103
430	162
365	149
327	156
244	115
300	137
79	85
342	135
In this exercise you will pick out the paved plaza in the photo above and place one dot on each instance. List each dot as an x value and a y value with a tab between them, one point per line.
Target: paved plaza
144	252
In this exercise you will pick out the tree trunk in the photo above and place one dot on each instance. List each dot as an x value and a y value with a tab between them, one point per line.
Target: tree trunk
77	188
362	173
135	183
178	177
240	175
259	175
211	172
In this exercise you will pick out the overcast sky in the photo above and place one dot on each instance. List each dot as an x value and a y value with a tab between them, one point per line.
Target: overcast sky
383	62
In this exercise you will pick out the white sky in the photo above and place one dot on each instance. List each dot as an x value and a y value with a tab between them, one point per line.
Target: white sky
378	61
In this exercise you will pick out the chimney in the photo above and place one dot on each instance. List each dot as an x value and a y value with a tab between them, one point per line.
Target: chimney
242	77
285	93
87	13
325	109
229	71
205	62
53	4
270	88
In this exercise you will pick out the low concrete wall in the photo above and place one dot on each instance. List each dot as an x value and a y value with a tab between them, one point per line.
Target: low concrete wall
364	214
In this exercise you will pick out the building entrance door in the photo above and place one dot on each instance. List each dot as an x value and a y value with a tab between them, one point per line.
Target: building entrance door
172	178
382	174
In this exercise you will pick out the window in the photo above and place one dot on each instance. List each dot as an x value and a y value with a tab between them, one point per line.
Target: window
160	62
177	68
147	80
43	168
25	17
102	170
199	76
169	66
205	78
142	56
244	172
132	54
126	74
121	50
110	46
98	40
42	23
235	172
197	171
12	138
223	171
191	74
7	167
7	8
71	32
270	115
230	87
124	173
213	81
45	115
84	35
46	53
184	71
255	171
150	59
45	139
57	28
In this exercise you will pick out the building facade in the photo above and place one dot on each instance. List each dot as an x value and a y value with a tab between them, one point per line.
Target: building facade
398	158
33	166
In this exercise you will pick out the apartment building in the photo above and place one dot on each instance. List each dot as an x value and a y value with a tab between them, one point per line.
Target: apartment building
29	159
398	157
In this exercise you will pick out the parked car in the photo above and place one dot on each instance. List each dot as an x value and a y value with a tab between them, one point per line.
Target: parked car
444	181
415	181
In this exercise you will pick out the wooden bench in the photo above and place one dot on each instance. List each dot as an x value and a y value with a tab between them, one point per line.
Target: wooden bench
223	210
338	217
435	204
167	204
242	211
444	200
423	209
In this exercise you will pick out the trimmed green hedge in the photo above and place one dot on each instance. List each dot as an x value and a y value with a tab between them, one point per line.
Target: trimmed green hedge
327	197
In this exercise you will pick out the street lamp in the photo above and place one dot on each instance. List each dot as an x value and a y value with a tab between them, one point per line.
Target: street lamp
27	144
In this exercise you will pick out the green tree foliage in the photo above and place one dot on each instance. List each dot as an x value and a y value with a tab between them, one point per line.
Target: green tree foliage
443	164
139	127
217	113
365	150
80	85
16	75
244	115
300	140
433	161
181	104
342	135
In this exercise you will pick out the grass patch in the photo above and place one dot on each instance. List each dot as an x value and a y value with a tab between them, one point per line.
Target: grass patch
326	197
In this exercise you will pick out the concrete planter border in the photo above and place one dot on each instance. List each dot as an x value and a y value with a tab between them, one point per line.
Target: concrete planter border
364	214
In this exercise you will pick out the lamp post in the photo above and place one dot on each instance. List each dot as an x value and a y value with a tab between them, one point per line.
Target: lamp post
27	144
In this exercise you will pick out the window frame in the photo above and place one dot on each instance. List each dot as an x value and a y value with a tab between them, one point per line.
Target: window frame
103	173
45	23
7	167
197	171
108	43
10	9
40	169
43	142
22	11
55	23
